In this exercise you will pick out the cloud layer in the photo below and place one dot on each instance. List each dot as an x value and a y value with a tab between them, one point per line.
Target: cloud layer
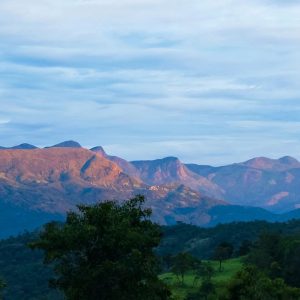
208	81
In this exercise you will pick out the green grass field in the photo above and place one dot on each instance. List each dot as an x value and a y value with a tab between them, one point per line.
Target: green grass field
230	268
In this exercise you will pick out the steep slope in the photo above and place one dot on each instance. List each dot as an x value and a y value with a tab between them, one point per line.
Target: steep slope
125	165
36	184
55	179
263	163
66	144
170	170
173	203
269	183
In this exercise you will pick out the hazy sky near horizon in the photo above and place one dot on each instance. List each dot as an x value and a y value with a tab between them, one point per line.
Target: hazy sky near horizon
211	82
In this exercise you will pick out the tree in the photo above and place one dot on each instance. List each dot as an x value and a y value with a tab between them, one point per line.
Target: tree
105	251
206	289
278	257
183	262
222	252
251	283
2	286
266	253
167	261
290	261
204	270
244	248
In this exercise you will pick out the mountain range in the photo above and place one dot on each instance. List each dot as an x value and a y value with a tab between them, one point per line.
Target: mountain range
37	185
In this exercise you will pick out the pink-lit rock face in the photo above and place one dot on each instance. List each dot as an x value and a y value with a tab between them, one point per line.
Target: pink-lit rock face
282	164
263	182
55	179
172	170
277	198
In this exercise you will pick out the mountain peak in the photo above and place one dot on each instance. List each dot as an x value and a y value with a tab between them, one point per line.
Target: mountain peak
67	144
24	146
288	160
260	163
264	163
170	159
99	149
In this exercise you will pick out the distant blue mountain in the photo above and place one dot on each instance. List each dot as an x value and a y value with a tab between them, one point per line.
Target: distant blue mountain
66	144
23	146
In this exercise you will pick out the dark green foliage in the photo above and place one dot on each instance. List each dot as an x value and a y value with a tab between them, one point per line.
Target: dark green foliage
222	252
266	252
252	284
105	252
205	270
27	277
2	286
278	256
245	247
182	263
206	289
166	262
23	271
201	242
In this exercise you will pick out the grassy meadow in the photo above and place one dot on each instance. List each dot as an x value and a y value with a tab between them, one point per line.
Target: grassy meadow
229	268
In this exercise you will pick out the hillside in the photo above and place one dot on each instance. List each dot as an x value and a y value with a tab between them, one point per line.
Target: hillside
37	185
27	277
273	184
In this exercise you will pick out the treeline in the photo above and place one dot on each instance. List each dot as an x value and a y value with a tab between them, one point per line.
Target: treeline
271	269
202	242
269	253
23	272
270	249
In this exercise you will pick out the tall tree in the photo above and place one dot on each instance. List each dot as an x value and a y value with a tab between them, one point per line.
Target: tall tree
183	262
105	252
2	286
222	252
204	270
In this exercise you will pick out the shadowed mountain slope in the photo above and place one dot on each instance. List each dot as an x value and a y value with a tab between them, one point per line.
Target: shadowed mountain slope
171	170
38	184
269	183
52	181
66	144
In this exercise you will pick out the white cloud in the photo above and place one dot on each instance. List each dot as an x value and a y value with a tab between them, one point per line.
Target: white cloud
149	72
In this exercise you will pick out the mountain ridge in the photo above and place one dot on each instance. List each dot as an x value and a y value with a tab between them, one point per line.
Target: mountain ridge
53	180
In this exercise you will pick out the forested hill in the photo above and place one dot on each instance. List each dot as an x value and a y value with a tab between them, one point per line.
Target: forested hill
201	242
27	277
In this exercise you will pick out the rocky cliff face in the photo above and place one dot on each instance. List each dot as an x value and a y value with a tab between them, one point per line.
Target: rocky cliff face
55	179
269	183
40	183
172	170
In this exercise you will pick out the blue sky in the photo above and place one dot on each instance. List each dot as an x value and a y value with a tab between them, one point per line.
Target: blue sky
211	82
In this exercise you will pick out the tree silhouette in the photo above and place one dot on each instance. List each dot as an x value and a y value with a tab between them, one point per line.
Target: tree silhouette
2	286
183	262
222	252
105	251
